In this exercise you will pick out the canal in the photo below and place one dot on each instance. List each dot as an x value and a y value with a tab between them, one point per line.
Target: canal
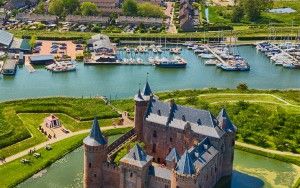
123	81
250	171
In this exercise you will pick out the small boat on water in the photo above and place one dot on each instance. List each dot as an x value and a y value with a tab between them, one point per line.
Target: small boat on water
63	66
177	62
207	55
212	62
175	50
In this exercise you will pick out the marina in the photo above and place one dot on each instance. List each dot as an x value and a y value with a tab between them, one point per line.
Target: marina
120	81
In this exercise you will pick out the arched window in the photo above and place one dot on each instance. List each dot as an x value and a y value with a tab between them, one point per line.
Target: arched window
131	174
90	165
159	112
183	118
154	134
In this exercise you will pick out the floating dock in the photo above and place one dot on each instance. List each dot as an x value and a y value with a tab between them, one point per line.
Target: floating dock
214	53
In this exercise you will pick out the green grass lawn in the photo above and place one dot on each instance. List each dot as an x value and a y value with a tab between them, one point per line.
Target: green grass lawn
19	120
15	172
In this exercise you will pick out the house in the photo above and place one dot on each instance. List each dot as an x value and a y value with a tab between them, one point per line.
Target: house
188	16
17	4
183	148
3	16
109	11
147	21
87	19
52	121
48	19
41	59
9	67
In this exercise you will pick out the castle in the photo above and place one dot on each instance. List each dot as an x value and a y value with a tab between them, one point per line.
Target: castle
184	148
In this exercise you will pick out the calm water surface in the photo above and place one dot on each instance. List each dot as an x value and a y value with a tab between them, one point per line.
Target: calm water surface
251	171
122	81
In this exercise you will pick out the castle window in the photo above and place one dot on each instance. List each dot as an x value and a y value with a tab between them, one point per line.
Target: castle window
171	139
199	121
183	118
90	165
158	160
154	134
131	174
154	148
159	112
95	175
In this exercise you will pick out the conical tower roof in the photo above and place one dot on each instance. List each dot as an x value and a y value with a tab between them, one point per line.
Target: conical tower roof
138	96
96	137
185	164
137	153
173	156
147	90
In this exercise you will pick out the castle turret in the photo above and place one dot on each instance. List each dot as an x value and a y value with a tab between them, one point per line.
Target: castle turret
134	168
229	141
141	102
94	156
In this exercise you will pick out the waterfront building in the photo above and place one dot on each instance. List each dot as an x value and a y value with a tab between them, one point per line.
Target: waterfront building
41	59
102	50
9	67
11	44
184	148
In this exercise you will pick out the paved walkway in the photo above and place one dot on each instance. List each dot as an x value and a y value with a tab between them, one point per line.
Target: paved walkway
44	144
267	150
170	13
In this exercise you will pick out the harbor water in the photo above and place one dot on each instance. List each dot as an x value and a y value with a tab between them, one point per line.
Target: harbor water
250	171
120	81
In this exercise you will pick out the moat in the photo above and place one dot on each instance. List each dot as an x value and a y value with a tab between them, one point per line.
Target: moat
251	171
122	81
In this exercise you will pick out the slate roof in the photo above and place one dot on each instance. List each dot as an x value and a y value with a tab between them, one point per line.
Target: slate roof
147	90
20	44
10	64
138	96
177	116
100	41
225	122
41	57
5	38
95	138
185	164
160	172
173	156
136	156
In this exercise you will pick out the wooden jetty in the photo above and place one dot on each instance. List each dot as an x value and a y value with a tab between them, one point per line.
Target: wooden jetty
215	54
28	66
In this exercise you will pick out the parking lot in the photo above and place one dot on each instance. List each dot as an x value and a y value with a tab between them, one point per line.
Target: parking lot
58	48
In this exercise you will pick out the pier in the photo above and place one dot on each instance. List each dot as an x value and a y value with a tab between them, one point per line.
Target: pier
214	53
116	63
28	66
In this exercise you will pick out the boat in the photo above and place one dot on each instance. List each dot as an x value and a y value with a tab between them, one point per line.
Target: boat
207	55
175	50
212	62
63	66
177	62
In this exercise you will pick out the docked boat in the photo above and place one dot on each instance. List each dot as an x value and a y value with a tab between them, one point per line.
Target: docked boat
177	62
64	66
207	55
212	62
175	50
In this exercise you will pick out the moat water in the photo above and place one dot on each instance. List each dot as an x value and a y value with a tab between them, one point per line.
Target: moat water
123	81
251	171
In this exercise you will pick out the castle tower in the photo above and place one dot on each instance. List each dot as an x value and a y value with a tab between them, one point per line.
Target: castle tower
141	102
94	155
229	141
184	173
134	168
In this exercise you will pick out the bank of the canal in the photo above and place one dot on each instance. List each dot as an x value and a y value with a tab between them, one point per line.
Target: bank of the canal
123	81
250	171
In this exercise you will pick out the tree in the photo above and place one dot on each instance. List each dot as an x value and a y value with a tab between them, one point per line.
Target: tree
88	9
56	7
71	6
1	2
130	7
40	8
242	87
149	10
253	8
237	14
32	41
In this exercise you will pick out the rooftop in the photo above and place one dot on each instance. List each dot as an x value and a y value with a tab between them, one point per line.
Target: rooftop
95	138
5	38
136	156
41	57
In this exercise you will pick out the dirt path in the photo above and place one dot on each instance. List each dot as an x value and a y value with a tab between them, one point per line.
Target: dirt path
44	144
170	12
267	150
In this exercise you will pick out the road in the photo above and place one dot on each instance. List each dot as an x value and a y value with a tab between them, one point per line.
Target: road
44	144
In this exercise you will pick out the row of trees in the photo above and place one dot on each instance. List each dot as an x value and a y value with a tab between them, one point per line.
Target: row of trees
250	9
65	7
132	8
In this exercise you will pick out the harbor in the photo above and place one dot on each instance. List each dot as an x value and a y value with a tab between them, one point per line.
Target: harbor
120	81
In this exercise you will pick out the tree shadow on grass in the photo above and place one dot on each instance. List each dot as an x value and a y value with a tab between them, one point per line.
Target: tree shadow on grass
238	180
